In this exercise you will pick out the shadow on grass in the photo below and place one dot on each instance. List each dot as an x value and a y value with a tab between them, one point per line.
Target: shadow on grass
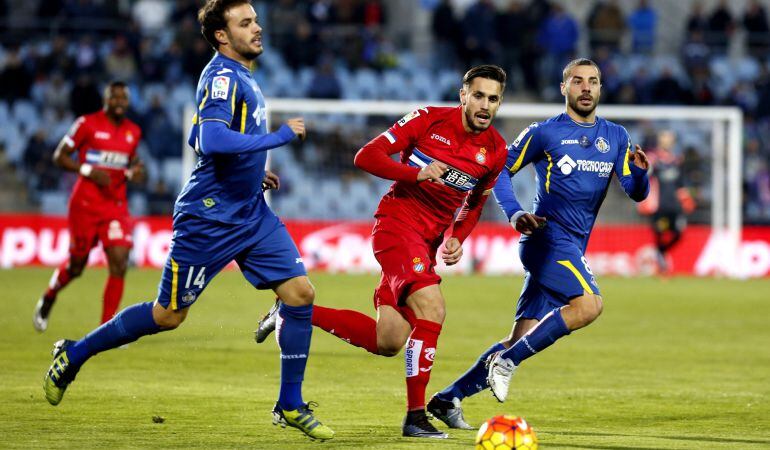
676	438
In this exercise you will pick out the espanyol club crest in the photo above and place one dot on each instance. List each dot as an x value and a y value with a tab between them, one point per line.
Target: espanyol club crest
602	145
481	156
129	137
418	265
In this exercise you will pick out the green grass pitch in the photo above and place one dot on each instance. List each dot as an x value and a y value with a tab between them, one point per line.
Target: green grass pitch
677	364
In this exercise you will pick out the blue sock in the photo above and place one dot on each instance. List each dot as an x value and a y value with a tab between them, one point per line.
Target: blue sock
473	381
293	334
545	333
127	326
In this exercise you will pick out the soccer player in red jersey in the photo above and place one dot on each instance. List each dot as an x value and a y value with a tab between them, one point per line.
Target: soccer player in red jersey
105	142
449	157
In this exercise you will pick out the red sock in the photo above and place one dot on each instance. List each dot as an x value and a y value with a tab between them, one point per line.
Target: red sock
113	291
60	278
419	354
352	327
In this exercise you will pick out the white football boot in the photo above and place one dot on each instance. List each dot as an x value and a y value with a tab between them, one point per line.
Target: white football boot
500	371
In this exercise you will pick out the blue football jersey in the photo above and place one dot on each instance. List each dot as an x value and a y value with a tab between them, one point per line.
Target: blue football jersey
574	163
226	187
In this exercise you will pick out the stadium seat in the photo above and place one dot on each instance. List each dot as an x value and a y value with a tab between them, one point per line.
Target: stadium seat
54	202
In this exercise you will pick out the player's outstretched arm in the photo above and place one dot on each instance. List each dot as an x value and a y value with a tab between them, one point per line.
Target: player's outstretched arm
217	138
374	157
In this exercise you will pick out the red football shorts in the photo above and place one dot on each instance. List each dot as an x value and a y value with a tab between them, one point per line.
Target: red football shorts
87	229
408	262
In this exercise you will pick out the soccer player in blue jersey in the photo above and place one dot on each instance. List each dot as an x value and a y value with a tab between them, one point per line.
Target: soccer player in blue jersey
575	154
220	216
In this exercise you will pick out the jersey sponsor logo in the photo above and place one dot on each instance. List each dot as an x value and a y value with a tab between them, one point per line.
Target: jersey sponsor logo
297	260
129	137
220	87
524	133
103	135
259	115
481	156
569	141
297	356
441	139
602	145
603	168
566	164
209	202
417	265
412	357
107	158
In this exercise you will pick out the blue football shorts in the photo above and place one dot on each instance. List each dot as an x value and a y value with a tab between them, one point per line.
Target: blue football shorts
556	271
263	249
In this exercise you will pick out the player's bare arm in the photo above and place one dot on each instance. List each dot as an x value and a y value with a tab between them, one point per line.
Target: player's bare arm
527	223
433	172
271	181
297	125
62	157
136	172
639	158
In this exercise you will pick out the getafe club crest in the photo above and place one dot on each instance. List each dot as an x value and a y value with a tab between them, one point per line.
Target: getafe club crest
602	145
418	266
481	156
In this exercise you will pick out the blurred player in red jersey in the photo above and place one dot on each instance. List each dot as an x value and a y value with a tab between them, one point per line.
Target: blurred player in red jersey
105	142
449	157
669	201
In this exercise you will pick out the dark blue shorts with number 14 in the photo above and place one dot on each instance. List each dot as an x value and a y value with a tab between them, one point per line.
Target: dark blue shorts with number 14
263	249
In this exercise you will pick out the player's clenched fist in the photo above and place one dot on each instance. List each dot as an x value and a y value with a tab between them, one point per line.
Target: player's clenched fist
639	158
452	251
297	125
432	172
271	181
99	177
526	223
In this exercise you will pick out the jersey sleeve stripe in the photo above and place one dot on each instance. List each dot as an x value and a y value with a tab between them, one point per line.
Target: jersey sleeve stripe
626	168
68	140
205	97
232	100
568	264
218	120
244	110
548	173
174	281
389	136
517	165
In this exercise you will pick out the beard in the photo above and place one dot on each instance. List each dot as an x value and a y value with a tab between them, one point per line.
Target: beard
583	111
245	50
472	125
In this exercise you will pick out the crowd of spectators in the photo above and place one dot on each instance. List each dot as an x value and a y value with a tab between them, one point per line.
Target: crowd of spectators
56	55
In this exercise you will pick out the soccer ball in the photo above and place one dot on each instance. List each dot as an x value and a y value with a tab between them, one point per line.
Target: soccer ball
506	433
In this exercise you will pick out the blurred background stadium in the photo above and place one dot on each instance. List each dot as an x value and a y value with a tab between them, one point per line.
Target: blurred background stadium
56	55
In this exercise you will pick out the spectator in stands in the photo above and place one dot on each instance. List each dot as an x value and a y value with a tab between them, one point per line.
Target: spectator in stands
720	28
643	23
55	93
757	29
321	13
196	57
697	21
558	36
763	94
86	55
84	96
15	80
372	13
510	24
325	83
478	27
303	48
43	175
284	19
696	55
160	201
162	139
120	63
446	35
606	25
667	90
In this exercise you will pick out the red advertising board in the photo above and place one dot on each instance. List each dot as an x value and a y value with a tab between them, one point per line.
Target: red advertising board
30	240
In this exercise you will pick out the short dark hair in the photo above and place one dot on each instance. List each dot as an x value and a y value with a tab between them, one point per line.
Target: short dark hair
579	62
212	18
489	71
112	85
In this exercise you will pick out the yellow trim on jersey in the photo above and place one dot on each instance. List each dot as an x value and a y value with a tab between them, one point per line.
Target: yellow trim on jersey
244	110
568	264
205	97
232	101
195	119
517	165
626	168
548	173
174	281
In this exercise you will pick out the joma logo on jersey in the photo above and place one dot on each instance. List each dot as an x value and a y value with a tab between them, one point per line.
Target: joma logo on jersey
569	141
441	139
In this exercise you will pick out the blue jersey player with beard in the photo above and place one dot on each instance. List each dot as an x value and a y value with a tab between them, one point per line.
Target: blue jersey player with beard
575	155
220	216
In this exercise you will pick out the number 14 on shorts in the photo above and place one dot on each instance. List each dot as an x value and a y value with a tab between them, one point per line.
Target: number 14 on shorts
195	280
